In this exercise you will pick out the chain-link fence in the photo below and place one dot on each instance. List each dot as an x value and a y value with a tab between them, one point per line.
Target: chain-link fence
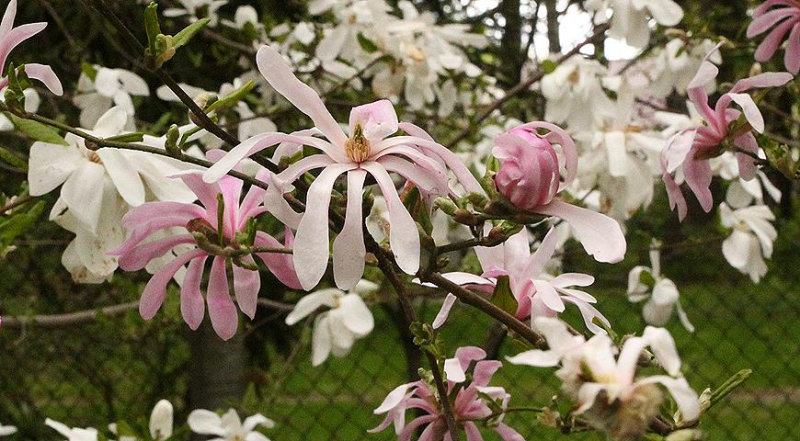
92	374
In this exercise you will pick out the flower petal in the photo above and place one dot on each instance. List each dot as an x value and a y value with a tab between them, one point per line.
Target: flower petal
600	235
221	310
349	251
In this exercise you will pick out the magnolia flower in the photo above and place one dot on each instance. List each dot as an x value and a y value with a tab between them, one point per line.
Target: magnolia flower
607	391
677	64
751	240
529	178
196	9
537	293
631	17
209	239
367	17
779	17
73	434
32	102
574	93
661	293
691	149
743	193
104	182
336	329
468	402
7	430
368	150
229	427
107	88
10	37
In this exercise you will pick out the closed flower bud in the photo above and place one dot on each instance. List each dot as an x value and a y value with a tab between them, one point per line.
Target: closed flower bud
529	172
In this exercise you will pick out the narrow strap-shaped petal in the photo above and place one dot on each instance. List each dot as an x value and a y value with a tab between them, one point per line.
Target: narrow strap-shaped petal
772	42
141	233
792	56
221	310
279	264
444	312
151	211
311	245
16	36
349	250
542	255
280	76
193	306
156	289
417	175
762	23
698	175
246	284
548	295
8	18
45	74
125	178
403	234
600	235
139	257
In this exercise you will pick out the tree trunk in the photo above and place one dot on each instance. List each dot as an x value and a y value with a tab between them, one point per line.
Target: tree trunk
511	43
552	27
217	369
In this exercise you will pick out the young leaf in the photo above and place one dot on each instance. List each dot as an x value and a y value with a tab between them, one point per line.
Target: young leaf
232	98
151	25
502	297
368	45
37	131
128	137
17	224
186	34
11	158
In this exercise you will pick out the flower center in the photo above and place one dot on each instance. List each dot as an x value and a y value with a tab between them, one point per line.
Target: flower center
357	147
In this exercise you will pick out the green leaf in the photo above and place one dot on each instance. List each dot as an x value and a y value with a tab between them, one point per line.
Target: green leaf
416	206
186	34
548	66
89	71
728	386
11	158
127	137
646	278
37	131
232	98
17	224
151	25
368	45
502	297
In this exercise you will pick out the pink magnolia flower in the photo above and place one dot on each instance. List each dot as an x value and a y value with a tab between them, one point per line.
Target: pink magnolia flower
537	294
202	220
529	178
369	150
10	37
691	149
468	406
779	17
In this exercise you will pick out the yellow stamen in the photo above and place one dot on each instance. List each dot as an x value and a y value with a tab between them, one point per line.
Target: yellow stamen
357	147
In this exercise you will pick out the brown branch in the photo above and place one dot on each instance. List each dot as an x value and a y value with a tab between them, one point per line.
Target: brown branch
17	202
68	319
599	31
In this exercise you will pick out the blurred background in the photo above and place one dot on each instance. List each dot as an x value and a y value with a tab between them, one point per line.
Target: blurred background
90	369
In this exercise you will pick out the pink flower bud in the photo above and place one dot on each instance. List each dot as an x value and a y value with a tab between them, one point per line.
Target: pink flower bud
529	174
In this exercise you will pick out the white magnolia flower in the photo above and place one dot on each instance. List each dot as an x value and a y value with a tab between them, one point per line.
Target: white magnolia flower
229	427
630	20
621	158
742	193
751	240
98	187
661	293
7	430
110	87
336	329
73	434
575	95
197	9
678	63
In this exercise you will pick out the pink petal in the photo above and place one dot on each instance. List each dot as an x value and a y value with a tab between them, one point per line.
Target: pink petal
137	258
415	174
141	233
311	246
542	255
792	56
377	119
764	22
484	370
8	18
767	48
16	36
349	251
472	432
279	264
600	235
156	289
507	433
411	427
193	306
548	295
467	354
224	318
151	211
45	74
561	137
747	166
572	279
751	112
441	317
403	234
246	284
698	176
280	76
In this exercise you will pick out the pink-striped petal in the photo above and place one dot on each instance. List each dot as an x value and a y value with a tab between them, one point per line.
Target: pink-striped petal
600	235
139	257
193	306
221	310
246	284
156	289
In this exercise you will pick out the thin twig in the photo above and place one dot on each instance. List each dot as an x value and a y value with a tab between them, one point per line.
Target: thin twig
68	319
